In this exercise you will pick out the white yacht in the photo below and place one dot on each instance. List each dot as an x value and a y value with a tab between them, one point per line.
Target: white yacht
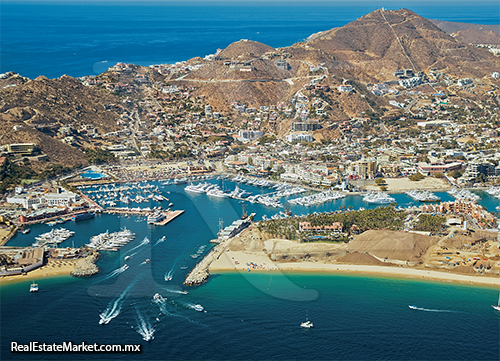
34	287
378	198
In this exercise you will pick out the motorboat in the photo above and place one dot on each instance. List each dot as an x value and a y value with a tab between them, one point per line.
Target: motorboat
34	287
198	308
307	324
497	307
157	297
413	307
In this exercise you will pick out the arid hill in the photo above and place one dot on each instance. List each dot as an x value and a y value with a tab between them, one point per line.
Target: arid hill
37	108
390	40
245	49
393	245
63	101
471	33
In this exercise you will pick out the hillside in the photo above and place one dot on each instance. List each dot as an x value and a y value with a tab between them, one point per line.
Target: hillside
39	108
471	33
389	40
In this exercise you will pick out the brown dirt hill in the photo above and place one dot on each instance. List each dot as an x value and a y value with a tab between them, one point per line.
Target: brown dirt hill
393	245
245	49
389	40
471	33
360	258
58	101
57	151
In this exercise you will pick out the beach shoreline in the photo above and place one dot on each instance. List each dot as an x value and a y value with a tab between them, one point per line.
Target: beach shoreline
357	269
54	268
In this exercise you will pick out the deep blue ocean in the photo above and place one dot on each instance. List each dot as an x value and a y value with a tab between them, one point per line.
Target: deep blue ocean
249	316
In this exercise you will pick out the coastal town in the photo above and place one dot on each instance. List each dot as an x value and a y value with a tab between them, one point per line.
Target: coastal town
328	136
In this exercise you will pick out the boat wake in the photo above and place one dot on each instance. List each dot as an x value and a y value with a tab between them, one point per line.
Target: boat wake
198	308
114	308
144	241
114	273
169	275
430	310
162	239
144	328
181	292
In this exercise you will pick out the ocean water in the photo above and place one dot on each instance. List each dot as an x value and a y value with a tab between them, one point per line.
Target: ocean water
249	315
85	38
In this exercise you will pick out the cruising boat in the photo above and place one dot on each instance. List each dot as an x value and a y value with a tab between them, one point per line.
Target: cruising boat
413	307
307	324
26	231
157	297
34	287
497	307
198	308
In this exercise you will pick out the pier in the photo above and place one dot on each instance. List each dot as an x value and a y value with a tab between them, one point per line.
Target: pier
170	215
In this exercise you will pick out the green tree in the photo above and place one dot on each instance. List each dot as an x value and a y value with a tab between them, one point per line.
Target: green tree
416	177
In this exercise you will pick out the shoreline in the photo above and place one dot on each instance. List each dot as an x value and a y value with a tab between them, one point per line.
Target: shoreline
423	275
49	270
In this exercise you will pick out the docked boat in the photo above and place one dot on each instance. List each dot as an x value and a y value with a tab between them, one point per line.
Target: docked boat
423	196
82	216
156	217
378	198
26	231
34	287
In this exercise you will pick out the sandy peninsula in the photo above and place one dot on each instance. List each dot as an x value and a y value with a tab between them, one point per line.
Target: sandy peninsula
375	252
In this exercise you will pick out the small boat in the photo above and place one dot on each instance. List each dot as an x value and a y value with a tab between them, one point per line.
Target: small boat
497	307
147	260
198	308
307	324
127	258
26	231
183	292
183	267
157	297
168	278
171	205
413	307
34	287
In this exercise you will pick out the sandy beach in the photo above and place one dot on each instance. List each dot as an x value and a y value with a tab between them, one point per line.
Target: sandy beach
54	267
237	261
375	252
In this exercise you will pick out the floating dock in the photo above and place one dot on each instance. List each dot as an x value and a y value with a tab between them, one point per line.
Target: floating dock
170	215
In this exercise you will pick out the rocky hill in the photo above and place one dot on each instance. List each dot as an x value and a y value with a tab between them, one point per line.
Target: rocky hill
33	110
471	33
367	50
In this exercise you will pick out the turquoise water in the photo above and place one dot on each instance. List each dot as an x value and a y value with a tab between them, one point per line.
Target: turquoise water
248	315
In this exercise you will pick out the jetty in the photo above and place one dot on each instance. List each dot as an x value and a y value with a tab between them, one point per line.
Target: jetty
200	272
86	266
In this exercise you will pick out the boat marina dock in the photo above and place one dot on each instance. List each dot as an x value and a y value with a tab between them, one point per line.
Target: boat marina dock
169	216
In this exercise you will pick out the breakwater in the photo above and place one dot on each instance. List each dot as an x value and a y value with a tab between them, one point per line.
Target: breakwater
86	266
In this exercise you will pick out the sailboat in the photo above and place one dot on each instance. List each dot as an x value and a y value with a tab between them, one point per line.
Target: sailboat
307	323
497	307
